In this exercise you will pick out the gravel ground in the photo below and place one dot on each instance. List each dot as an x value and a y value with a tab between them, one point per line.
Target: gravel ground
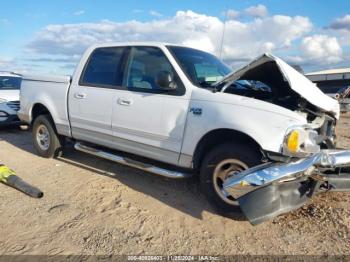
92	206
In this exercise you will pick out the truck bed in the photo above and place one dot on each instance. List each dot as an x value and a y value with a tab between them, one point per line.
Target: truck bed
50	92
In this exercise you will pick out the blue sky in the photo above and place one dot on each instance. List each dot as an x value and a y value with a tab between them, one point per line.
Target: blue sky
315	34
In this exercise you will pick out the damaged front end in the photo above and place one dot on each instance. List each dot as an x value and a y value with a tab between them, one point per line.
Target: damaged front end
307	162
270	79
273	80
271	189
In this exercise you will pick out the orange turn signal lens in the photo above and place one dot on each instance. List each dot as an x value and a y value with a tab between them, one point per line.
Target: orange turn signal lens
293	141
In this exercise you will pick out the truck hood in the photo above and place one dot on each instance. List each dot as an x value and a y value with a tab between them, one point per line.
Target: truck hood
201	94
9	95
296	82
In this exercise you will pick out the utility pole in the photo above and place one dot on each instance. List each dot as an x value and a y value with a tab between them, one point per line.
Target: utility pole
223	33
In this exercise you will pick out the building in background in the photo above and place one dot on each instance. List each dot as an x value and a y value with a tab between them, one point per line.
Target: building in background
331	81
336	83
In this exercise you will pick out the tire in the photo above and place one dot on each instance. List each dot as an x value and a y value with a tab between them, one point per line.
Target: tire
225	158
45	138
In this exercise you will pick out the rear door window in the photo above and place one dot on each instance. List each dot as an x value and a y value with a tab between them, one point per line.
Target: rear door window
103	68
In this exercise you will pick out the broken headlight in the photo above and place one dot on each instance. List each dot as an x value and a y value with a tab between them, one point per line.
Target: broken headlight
300	142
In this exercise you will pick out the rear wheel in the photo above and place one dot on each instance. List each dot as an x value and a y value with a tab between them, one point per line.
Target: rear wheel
46	141
220	163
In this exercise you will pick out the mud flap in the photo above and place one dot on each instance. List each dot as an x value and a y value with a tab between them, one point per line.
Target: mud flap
273	200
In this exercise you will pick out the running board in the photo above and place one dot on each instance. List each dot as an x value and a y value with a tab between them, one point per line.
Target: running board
129	162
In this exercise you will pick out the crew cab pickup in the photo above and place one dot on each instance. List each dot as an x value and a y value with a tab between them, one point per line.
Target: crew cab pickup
262	138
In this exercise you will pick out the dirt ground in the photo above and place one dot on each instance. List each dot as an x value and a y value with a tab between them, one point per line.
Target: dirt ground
92	206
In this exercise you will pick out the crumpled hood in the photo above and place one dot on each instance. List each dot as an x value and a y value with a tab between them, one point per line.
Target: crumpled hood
296	81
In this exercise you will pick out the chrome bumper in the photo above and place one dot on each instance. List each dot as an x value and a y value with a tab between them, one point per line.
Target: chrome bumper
262	175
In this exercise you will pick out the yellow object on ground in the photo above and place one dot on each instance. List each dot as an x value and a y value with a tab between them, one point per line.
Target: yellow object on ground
8	177
5	172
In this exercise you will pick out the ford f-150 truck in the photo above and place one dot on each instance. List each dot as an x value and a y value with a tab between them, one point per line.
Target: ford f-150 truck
262	138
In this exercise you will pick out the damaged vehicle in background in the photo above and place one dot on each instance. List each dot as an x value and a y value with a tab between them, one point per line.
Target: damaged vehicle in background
10	84
262	138
343	97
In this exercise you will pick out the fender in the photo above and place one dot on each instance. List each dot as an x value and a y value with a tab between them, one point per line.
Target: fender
263	122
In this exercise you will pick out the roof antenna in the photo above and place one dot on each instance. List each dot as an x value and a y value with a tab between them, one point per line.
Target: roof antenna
223	33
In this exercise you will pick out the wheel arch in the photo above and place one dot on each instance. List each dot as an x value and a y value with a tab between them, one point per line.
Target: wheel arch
219	136
40	109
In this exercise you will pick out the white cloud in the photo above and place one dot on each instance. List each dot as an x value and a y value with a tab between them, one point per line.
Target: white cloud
10	64
247	40
6	63
38	65
232	14
340	28
243	40
341	23
79	12
321	48
295	60
155	13
256	11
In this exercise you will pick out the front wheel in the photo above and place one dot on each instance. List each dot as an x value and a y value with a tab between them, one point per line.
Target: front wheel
46	141
220	163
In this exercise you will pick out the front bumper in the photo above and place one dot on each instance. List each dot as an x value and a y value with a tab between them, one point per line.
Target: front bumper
8	120
271	189
8	113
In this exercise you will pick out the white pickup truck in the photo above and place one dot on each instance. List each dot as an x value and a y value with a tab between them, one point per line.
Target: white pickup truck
261	137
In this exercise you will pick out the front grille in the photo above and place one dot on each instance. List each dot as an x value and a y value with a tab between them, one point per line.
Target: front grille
14	105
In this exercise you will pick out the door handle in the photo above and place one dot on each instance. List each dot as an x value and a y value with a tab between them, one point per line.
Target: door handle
124	101
79	95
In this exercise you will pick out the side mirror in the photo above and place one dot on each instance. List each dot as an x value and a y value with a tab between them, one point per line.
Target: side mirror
165	81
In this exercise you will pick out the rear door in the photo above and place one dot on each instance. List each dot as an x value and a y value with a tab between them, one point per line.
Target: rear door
91	99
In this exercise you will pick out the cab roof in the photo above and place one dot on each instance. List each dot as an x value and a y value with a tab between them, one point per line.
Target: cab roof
156	44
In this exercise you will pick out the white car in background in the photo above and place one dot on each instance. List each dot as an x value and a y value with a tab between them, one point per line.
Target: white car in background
10	84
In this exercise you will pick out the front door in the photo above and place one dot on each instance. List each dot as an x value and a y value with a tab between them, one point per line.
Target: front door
147	120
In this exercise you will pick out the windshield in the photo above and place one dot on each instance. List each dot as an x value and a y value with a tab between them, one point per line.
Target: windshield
10	83
202	68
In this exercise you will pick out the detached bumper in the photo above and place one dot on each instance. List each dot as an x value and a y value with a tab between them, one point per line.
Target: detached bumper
259	176
271	189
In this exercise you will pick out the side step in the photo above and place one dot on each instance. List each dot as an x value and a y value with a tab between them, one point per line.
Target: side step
129	162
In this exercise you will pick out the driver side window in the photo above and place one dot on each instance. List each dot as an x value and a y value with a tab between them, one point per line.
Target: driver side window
143	67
